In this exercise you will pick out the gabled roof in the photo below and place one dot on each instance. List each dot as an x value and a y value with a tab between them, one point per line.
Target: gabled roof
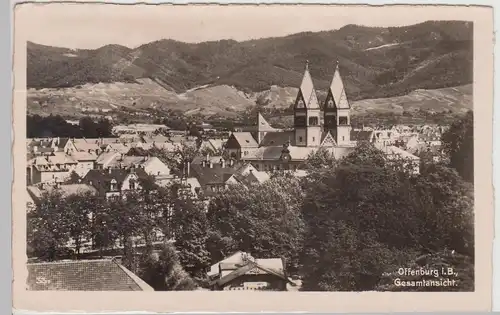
210	176
308	92
278	138
83	275
338	91
248	267
66	190
245	139
101	179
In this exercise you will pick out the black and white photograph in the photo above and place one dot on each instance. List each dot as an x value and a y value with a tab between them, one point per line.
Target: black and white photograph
276	151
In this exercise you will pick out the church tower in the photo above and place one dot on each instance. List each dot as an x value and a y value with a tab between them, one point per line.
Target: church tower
337	111
307	114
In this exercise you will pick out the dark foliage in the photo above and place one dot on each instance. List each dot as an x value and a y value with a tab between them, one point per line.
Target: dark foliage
458	142
56	126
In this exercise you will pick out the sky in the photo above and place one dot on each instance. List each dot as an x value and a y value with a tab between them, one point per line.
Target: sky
94	25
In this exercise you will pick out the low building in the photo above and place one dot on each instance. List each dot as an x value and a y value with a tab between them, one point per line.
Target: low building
114	182
55	167
83	275
240	271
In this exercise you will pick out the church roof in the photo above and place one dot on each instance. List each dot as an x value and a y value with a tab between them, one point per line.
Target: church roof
296	153
308	92
278	138
338	91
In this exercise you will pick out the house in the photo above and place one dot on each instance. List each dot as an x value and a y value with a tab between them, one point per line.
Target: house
114	182
83	275
86	161
241	271
150	164
212	145
56	167
240	144
247	175
84	145
212	175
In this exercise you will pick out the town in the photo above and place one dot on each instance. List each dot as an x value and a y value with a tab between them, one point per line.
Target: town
116	199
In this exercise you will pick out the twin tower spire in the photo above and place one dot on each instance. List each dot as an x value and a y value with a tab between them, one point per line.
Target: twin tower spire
336	112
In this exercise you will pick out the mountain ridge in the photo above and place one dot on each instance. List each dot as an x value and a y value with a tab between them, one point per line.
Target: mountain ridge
255	65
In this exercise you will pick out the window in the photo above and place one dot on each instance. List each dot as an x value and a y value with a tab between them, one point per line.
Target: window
314	139
132	184
343	120
343	138
313	121
300	139
300	121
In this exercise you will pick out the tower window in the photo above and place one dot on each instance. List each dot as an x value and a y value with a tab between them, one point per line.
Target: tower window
343	120
313	121
300	139
314	139
330	121
300	121
343	138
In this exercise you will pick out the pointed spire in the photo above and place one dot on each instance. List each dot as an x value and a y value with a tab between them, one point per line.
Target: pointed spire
337	89
308	91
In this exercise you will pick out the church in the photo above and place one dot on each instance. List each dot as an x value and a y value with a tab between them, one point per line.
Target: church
268	148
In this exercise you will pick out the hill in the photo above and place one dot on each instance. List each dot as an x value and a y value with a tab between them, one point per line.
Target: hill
375	62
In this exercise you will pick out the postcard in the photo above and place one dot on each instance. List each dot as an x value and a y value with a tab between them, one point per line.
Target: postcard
322	158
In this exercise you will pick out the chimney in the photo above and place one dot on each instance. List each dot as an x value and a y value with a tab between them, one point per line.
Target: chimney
211	164
222	163
35	149
188	169
109	170
204	163
208	157
231	162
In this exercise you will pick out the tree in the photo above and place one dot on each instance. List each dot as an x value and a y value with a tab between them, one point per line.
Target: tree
48	232
191	232
264	220
164	272
367	216
458	143
321	158
79	211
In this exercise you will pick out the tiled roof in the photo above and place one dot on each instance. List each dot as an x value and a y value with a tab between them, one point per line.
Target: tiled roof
214	175
245	139
84	156
296	153
278	138
157	138
101	179
361	135
65	189
56	158
338	91
81	275
107	157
